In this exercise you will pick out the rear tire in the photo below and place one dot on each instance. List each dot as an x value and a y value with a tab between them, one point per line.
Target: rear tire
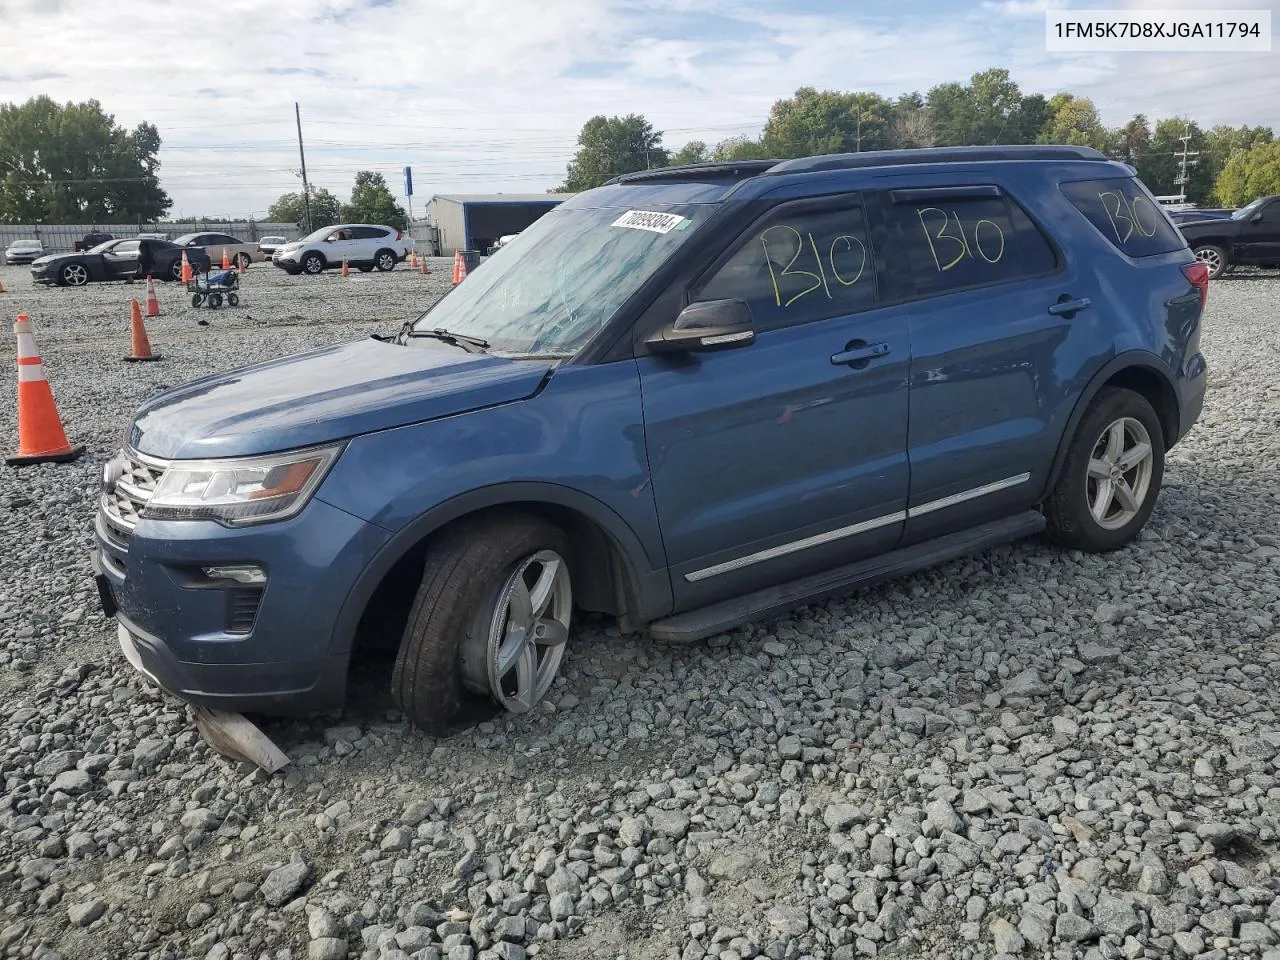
1111	476
385	260
1214	257
233	300
243	260
448	639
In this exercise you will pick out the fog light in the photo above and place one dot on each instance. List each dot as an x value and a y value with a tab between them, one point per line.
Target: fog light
240	573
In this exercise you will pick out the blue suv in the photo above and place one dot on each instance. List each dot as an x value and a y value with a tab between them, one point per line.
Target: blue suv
687	399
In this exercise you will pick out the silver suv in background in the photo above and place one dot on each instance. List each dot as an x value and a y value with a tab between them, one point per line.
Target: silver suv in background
24	251
365	246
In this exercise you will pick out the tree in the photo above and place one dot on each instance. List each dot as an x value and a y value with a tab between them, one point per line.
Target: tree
326	209
1250	174
1074	120
71	163
1223	141
909	126
740	148
372	202
990	109
813	122
695	151
1130	141
610	146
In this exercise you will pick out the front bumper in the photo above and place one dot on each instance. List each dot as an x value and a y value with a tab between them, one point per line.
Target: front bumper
286	261
44	274
215	644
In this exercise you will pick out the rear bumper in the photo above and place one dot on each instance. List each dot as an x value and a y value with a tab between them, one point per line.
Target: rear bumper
1194	386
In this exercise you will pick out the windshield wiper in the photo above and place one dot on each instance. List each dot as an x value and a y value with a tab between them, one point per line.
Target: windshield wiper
439	333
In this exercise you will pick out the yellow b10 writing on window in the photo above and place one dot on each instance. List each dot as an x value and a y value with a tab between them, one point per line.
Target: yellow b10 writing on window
1127	216
950	242
842	260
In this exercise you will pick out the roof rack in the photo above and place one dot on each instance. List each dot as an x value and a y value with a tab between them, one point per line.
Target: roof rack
869	158
881	158
733	169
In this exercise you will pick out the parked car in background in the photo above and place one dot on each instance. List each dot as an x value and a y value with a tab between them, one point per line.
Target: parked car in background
269	245
1200	213
690	398
153	236
90	240
241	253
116	260
23	251
365	246
1249	237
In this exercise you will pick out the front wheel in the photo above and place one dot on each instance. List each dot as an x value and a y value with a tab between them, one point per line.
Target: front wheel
1111	476
74	275
1214	257
384	260
196	299
313	263
233	300
489	621
215	300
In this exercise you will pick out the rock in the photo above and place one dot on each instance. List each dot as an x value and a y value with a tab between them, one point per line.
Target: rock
397	838
1202	769
1065	726
790	748
60	761
1221	923
943	817
1072	928
1219	835
841	816
413	939
1251	931
634	831
72	782
83	914
1189	943
1005	937
732	866
199	912
562	906
562	881
882	849
1112	612
1116	915
1153	880
327	948
545	865
672	824
1093	653
1025	684
284	882
1036	924
695	885
509	951
321	925
150	753
789	921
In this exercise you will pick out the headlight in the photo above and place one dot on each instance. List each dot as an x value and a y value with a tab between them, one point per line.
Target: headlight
243	490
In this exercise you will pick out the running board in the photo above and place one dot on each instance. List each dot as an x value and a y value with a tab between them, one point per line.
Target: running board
727	614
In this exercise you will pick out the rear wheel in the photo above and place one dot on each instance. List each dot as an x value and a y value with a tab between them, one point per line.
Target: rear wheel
1112	474
489	621
384	260
243	260
1212	256
175	272
233	300
74	275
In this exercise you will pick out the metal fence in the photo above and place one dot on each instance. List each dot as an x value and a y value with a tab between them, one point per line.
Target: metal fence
59	237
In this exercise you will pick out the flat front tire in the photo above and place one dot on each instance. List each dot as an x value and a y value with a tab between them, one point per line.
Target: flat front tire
489	621
1111	476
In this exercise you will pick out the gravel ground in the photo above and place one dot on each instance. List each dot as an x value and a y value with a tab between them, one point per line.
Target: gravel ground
1026	753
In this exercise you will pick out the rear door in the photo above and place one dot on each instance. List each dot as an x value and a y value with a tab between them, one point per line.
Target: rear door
995	309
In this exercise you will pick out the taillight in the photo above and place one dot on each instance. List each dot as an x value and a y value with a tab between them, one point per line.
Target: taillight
399	234
1198	274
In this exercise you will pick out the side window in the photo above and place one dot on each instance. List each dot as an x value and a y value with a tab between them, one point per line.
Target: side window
799	267
127	248
959	241
1120	209
370	233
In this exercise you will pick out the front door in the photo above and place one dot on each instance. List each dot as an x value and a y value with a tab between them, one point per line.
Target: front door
1260	241
788	455
121	260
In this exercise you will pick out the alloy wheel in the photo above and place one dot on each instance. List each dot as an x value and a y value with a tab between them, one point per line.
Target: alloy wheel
1120	469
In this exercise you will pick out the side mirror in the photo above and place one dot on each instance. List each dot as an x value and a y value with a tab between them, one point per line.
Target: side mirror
1256	218
708	325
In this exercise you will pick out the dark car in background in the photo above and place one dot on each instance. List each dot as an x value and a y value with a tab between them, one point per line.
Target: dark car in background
1250	237
116	260
89	241
1200	213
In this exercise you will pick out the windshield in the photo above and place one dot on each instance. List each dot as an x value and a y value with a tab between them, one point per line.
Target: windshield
1249	210
102	247
319	234
549	291
25	245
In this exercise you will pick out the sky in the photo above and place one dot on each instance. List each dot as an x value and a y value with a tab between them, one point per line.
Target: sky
488	96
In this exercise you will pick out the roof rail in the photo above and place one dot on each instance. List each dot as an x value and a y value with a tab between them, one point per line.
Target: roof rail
718	170
883	158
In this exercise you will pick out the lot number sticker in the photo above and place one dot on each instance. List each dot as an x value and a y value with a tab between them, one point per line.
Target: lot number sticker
654	222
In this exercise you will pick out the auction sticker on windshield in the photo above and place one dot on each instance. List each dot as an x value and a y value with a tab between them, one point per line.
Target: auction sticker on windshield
649	220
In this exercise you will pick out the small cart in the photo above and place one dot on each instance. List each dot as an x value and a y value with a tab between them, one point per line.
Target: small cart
214	286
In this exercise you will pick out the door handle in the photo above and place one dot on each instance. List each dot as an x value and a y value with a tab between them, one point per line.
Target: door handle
859	352
1067	307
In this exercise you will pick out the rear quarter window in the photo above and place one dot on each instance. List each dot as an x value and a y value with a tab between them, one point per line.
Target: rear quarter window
1122	211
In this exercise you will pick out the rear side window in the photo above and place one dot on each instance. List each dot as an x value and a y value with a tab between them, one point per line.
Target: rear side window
956	239
370	233
1122	212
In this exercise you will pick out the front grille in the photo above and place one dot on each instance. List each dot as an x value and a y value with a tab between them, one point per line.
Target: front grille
123	501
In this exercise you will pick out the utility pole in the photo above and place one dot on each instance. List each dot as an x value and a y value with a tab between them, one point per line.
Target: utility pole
1181	179
859	144
306	190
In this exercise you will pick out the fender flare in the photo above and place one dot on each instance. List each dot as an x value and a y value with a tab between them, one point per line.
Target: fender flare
650	589
1130	359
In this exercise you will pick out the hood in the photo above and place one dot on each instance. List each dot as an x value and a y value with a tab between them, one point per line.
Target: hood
55	257
327	394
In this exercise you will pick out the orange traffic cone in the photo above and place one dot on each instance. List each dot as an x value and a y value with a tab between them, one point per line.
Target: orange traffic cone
459	267
153	302
226	261
186	268
423	266
413	259
138	333
1	286
345	270
41	438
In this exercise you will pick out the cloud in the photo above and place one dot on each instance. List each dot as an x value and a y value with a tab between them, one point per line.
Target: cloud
490	95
